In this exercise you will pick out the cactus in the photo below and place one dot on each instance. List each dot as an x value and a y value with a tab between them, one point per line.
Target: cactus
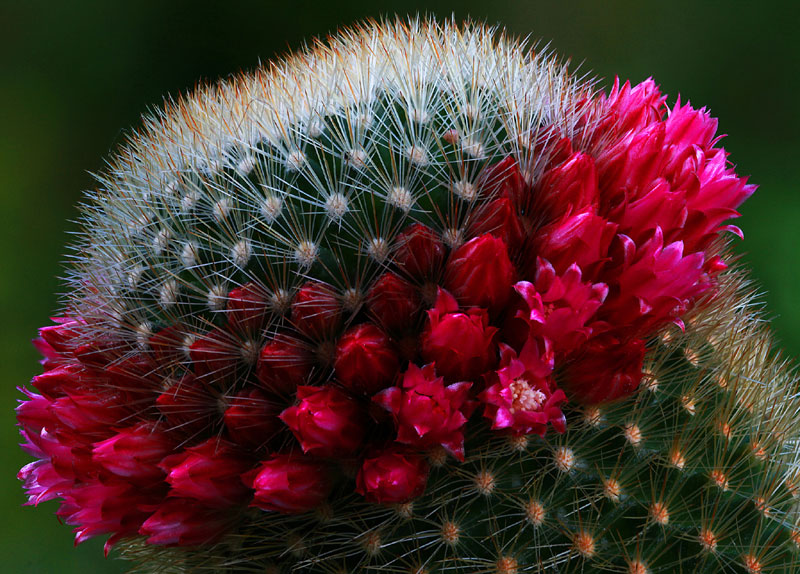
418	300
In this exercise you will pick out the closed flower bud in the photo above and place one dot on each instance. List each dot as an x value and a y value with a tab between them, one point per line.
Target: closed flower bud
188	406
365	360
460	344
499	218
326	421
215	355
290	484
247	308
251	418
605	370
316	311
419	251
134	453
181	522
283	364
393	302
393	476
208	473
480	273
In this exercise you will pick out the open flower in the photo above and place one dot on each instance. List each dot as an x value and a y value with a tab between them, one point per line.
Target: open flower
524	399
428	413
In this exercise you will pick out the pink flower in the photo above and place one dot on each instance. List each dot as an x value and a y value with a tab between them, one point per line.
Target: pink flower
427	412
208	473
480	273
523	399
393	476
461	344
326	421
365	360
182	522
393	302
290	484
283	364
316	311
499	218
654	284
605	370
558	308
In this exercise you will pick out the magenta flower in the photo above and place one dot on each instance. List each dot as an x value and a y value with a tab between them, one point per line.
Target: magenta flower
524	400
392	476
428	413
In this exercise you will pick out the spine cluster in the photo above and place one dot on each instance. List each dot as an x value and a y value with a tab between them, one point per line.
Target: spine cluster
416	300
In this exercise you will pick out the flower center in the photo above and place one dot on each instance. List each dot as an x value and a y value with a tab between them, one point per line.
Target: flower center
525	397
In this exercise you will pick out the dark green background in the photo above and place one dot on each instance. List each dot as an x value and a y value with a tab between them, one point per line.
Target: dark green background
74	76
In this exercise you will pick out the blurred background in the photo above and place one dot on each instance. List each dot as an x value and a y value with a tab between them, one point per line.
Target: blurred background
76	76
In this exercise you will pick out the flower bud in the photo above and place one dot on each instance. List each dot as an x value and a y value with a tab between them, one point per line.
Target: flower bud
605	371
419	251
365	360
480	273
499	218
393	476
208	473
251	418
393	302
134	453
181	522
283	364
188	406
326	422
460	344
247	308
215	355
289	484
315	310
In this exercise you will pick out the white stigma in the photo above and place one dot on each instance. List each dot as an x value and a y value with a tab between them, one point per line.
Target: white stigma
525	397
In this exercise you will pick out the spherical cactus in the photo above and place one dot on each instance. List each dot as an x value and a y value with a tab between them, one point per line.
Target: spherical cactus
418	300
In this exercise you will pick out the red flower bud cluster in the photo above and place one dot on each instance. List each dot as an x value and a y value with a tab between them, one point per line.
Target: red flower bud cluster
273	405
